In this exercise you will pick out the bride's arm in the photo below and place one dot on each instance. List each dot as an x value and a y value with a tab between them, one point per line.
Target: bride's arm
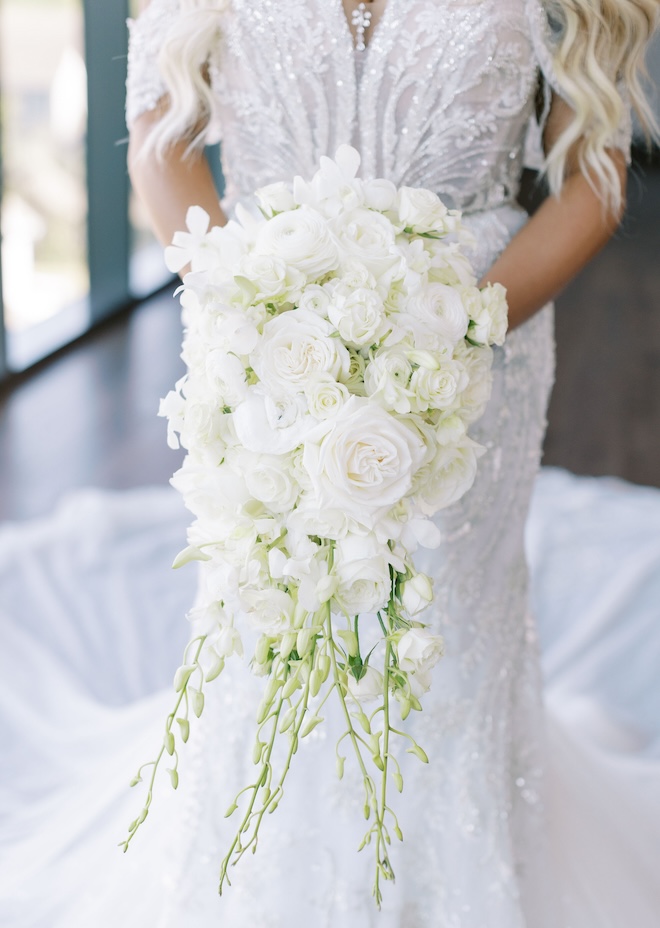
560	238
169	185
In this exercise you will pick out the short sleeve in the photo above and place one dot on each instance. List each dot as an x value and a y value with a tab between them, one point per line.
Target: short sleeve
147	34
545	33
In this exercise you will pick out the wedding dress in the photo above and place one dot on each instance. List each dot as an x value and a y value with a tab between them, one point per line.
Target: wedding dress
536	810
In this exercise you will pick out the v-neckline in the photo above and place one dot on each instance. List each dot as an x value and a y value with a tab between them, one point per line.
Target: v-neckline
363	54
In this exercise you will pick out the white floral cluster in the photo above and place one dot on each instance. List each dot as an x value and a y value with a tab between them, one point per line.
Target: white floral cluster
338	348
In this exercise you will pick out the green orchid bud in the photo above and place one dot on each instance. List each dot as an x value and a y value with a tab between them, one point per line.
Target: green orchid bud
378	761
257	751
294	742
215	669
182	676
262	650
299	616
340	766
133	826
310	724
398	832
350	640
418	752
287	644
191	553
304	640
184	728
291	685
136	779
398	780
142	816
287	719
364	722
324	665
168	741
197	702
174	777
315	682
230	811
367	811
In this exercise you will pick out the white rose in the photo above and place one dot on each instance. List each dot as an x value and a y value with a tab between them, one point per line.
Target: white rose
489	325
418	650
359	317
325	396
387	379
450	475
352	274
369	237
268	611
268	479
264	424
301	238
422	210
365	461
370	686
441	309
379	194
478	363
270	278
362	567
293	346
438	389
416	594
275	198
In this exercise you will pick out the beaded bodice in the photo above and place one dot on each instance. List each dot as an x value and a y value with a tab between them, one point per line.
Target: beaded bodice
441	97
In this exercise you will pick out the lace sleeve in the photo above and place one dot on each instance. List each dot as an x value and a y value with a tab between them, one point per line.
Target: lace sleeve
144	85
544	33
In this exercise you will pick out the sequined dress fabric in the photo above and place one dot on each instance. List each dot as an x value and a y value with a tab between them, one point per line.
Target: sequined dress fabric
443	97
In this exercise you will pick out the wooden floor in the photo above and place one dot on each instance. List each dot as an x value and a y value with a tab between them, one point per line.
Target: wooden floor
89	416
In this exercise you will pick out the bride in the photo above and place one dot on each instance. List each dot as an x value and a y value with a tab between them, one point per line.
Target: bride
522	819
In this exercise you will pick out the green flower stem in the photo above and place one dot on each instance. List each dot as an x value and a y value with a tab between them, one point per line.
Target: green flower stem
382	865
183	694
382	858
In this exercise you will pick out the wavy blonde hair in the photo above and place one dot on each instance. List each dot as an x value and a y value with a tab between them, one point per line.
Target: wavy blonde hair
598	58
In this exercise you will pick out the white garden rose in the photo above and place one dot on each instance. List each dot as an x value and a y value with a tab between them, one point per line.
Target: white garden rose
275	198
369	237
419	650
325	396
489	324
364	462
368	687
478	363
421	210
441	309
438	389
268	478
354	377
449	476
362	566
302	239
359	317
268	611
416	594
315	299
387	380
293	346
379	194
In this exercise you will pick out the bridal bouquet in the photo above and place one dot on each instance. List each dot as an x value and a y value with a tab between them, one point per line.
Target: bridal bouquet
337	349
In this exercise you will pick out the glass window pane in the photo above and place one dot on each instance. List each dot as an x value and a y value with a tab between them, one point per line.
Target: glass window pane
43	83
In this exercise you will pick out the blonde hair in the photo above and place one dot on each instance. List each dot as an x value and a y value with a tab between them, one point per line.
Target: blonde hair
599	65
598	58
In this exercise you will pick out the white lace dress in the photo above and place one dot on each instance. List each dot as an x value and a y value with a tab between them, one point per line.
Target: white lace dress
498	833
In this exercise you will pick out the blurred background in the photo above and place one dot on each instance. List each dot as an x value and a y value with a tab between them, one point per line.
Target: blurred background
90	334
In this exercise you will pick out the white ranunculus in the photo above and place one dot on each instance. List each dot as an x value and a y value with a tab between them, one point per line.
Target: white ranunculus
268	478
302	239
449	476
359	317
325	396
438	389
419	650
442	311
368	236
293	346
267	425
351	275
416	594
489	325
364	462
275	198
387	380
422	210
268	611
315	299
370	686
